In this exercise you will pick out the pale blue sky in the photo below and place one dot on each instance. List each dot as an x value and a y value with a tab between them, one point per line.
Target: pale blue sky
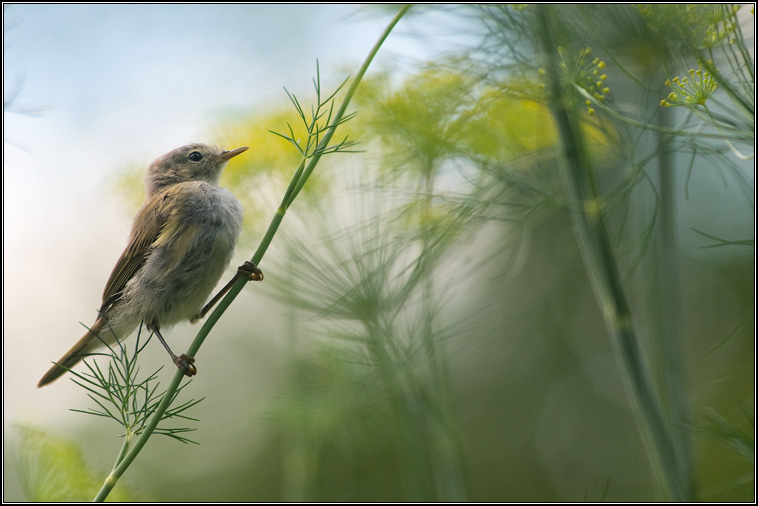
125	83
118	76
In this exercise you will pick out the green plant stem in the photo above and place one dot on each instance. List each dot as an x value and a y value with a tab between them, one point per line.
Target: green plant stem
348	96
301	175
738	134
603	270
444	443
111	480
667	300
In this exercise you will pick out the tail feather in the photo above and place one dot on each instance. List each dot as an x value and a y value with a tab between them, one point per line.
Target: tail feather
88	343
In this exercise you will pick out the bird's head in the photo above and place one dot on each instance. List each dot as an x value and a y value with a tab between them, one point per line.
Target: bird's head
193	162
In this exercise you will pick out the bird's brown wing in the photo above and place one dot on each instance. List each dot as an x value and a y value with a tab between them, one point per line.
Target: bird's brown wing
149	222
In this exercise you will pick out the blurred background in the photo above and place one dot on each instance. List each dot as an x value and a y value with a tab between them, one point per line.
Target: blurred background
427	329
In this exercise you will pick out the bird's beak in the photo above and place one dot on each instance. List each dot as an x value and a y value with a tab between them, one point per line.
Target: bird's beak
225	155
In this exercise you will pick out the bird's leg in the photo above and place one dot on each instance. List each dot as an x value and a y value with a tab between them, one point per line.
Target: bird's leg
183	362
247	270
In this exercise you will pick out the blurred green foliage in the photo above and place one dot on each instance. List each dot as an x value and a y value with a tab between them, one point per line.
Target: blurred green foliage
53	469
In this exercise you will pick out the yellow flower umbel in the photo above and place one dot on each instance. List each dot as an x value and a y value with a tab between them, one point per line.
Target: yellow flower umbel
580	71
691	90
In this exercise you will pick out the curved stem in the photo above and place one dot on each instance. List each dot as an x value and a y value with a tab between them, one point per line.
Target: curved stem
301	175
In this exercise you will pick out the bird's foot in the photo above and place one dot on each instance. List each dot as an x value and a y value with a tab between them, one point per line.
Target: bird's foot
250	270
185	364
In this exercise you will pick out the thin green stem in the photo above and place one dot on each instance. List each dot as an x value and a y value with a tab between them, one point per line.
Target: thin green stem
739	135
601	265
348	96
301	175
110	481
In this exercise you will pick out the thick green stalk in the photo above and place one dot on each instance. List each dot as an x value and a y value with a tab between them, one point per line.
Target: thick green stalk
669	342
301	175
443	440
603	270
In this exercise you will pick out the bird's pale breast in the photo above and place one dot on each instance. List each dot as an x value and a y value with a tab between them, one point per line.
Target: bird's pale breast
180	273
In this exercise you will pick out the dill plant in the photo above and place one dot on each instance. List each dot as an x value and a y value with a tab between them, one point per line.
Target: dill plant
646	46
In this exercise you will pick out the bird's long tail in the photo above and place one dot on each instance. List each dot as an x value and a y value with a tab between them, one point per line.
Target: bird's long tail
87	344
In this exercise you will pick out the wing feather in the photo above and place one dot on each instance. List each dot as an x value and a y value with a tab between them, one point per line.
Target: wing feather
148	224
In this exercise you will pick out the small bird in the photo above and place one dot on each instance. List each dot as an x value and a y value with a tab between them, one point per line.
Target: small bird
181	242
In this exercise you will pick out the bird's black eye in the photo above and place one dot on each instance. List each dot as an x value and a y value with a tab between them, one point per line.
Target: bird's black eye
195	156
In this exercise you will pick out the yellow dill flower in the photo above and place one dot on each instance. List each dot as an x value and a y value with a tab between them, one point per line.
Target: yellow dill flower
691	90
579	70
